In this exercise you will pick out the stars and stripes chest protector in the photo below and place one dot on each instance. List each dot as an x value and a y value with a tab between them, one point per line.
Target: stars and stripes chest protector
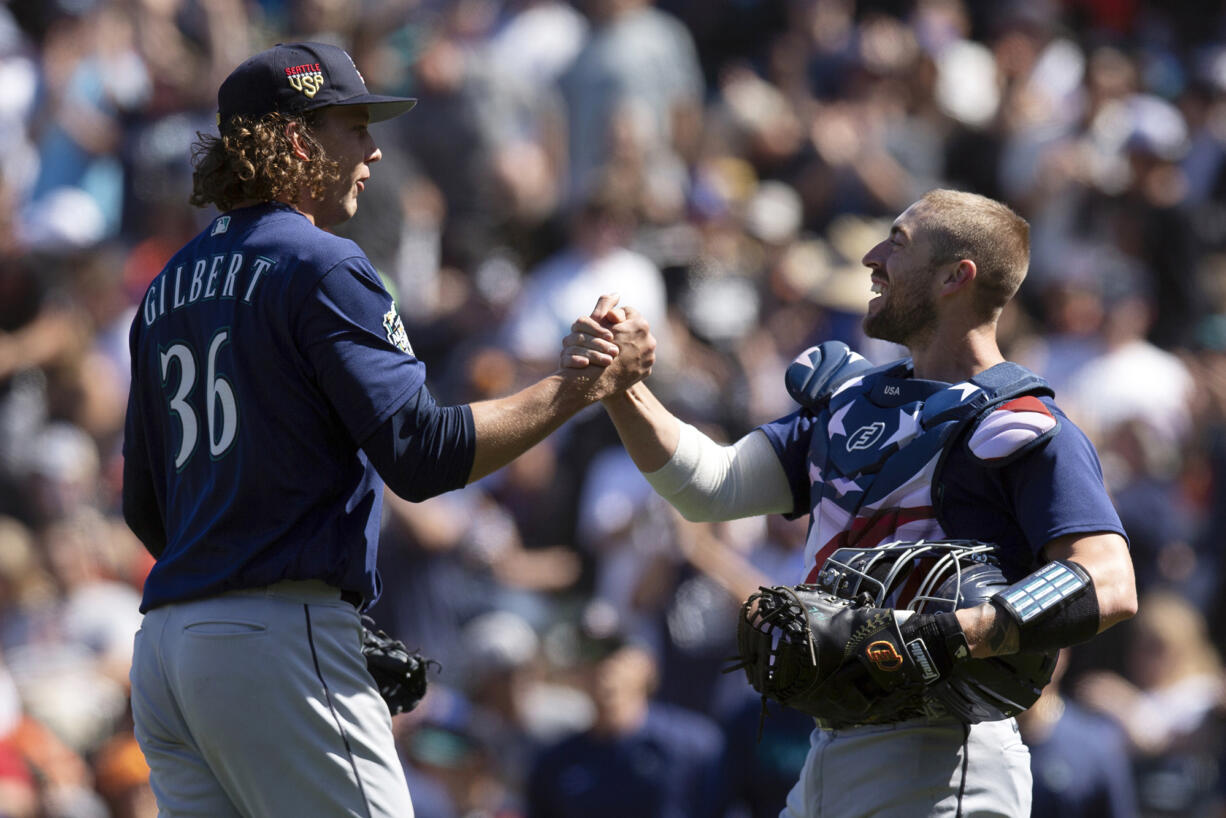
881	440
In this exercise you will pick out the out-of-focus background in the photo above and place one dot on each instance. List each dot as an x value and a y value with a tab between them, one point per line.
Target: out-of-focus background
723	165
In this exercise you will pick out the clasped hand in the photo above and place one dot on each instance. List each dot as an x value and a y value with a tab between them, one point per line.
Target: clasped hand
612	349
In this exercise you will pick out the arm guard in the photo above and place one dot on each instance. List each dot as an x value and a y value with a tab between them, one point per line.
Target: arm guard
706	481
1054	607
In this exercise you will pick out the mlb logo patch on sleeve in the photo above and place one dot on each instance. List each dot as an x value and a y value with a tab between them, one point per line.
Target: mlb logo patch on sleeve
1010	427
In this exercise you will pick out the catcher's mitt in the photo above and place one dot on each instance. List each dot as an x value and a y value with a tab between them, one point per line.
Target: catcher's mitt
941	576
400	674
841	660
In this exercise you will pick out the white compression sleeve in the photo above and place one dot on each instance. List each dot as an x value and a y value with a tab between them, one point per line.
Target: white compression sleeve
706	481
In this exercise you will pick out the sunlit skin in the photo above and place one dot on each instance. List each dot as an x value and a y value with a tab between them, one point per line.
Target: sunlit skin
904	310
343	133
928	305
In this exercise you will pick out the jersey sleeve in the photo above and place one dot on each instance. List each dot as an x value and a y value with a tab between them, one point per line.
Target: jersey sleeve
354	341
790	436
424	449
1058	489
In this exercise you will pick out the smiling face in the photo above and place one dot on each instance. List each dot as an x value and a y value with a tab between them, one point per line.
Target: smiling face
342	131
903	276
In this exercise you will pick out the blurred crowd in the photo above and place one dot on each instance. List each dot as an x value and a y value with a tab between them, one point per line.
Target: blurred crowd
723	166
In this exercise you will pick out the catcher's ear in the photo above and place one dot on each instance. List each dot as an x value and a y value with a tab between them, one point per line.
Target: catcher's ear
958	276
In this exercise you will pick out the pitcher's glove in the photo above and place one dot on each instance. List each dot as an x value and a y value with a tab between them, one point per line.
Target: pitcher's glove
841	660
400	674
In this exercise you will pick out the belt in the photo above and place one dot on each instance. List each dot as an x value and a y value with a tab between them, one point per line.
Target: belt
909	713
307	590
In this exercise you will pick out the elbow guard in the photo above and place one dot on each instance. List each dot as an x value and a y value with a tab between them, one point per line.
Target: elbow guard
1054	607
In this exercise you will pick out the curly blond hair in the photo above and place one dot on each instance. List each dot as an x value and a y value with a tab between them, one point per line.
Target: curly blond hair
252	160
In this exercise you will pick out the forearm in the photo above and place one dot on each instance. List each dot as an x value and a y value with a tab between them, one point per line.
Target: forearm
646	428
1104	557
507	427
38	343
700	478
987	633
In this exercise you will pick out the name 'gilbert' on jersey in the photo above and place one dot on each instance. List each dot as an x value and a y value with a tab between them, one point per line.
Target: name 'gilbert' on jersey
204	279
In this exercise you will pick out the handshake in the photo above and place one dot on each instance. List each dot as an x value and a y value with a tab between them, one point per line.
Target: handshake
607	351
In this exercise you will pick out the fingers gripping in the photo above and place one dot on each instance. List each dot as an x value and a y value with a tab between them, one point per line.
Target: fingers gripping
606	310
588	343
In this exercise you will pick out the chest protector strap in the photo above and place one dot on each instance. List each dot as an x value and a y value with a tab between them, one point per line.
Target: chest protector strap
1007	407
820	371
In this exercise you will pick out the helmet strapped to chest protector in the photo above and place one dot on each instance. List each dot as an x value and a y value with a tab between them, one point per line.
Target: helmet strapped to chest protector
929	577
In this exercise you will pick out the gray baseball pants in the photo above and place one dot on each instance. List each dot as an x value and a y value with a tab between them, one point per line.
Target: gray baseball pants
258	704
914	769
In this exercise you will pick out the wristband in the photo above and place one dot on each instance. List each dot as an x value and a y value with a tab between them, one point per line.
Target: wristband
940	638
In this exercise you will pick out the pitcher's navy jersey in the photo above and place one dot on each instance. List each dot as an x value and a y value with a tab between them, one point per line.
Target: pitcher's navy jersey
864	469
263	355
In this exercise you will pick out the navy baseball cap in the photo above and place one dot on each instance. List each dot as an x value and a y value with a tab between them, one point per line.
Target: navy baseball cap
292	78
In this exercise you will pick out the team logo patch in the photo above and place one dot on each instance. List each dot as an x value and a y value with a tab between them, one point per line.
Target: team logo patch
305	78
220	226
395	331
884	656
865	436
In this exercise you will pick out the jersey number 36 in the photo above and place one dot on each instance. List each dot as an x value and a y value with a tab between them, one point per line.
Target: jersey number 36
220	408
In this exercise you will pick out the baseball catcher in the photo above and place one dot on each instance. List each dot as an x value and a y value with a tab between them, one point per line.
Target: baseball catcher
838	651
897	621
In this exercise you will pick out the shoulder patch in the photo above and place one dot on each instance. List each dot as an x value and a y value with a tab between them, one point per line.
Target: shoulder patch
395	331
1011	427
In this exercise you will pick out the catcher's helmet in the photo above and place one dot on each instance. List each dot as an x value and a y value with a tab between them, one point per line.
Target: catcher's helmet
939	576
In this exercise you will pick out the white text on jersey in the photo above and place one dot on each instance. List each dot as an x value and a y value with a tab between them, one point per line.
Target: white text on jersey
210	278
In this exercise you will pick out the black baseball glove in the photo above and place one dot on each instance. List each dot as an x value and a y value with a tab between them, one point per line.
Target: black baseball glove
840	660
400	674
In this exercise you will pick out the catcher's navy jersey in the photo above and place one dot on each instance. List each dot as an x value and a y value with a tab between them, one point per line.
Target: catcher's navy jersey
263	355
864	468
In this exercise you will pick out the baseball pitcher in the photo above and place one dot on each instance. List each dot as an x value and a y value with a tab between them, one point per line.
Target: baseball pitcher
274	392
